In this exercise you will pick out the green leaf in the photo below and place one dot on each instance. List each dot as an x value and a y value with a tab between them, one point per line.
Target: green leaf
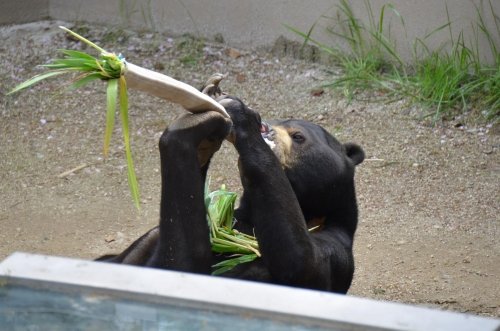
238	248
132	180
220	248
236	260
37	79
111	97
77	54
229	264
73	64
87	78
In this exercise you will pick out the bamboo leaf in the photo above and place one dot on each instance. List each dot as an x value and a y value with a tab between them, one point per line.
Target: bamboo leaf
87	78
220	248
36	79
236	260
237	247
77	54
73	64
243	243
229	264
132	180
111	97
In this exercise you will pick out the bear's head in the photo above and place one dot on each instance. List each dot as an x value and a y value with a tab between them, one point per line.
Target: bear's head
319	168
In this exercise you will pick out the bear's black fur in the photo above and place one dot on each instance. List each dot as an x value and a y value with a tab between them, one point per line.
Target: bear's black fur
295	175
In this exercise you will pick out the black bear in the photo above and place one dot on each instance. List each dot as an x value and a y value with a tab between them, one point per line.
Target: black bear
294	174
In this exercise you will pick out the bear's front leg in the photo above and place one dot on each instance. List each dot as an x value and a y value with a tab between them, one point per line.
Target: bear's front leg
185	151
284	242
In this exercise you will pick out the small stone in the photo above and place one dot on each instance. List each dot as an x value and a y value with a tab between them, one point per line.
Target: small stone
241	77
317	92
233	53
109	238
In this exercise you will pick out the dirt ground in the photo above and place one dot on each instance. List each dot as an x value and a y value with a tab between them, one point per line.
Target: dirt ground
428	195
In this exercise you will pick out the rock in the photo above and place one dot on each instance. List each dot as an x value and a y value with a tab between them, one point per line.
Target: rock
241	77
317	92
233	53
109	238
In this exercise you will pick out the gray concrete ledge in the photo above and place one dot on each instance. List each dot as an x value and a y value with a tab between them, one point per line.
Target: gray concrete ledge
243	299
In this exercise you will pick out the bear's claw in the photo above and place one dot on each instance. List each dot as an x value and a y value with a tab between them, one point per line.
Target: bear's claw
211	87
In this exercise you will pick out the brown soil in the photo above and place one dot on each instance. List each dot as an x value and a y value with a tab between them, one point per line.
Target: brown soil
428	195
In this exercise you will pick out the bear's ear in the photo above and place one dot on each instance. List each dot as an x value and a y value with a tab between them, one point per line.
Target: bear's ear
355	153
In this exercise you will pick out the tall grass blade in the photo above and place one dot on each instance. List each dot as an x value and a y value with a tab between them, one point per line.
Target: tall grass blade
308	38
482	26
354	27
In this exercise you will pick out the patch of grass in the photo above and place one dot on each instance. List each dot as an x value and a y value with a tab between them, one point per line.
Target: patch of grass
115	36
457	81
191	49
371	51
446	82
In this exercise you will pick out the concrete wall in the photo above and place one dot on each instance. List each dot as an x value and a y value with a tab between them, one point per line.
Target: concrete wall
22	11
254	23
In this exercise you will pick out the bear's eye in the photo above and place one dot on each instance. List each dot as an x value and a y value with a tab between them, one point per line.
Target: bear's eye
298	137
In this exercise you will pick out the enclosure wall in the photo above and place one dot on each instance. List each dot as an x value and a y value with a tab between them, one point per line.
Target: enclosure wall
260	22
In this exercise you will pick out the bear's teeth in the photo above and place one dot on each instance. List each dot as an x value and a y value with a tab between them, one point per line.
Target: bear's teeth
270	143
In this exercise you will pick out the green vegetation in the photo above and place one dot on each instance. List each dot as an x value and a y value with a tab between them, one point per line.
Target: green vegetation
225	239
191	49
109	67
446	82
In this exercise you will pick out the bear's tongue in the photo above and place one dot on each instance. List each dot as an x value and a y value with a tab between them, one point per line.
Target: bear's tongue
264	127
264	131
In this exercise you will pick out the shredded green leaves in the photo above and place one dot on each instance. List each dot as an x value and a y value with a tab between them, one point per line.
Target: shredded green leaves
109	67
243	248
223	237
